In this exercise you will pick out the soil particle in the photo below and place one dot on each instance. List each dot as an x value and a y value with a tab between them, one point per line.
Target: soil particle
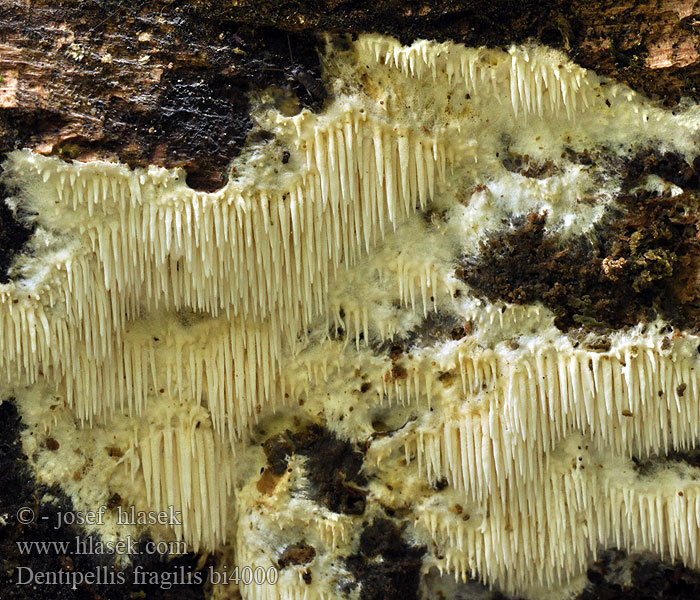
278	450
648	465
13	235
114	501
398	372
437	327
527	167
296	554
618	576
640	262
669	166
387	567
333	466
440	484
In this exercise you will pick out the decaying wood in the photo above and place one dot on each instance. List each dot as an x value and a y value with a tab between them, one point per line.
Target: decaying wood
167	83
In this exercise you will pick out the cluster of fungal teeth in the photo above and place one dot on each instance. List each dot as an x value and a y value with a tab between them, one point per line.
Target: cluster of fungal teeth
526	77
182	324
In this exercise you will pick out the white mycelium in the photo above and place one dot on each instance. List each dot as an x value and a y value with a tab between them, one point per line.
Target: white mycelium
159	334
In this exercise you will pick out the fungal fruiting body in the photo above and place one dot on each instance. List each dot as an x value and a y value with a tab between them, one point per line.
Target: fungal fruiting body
184	329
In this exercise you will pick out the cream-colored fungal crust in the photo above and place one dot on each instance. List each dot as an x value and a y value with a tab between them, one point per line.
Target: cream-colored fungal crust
160	334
